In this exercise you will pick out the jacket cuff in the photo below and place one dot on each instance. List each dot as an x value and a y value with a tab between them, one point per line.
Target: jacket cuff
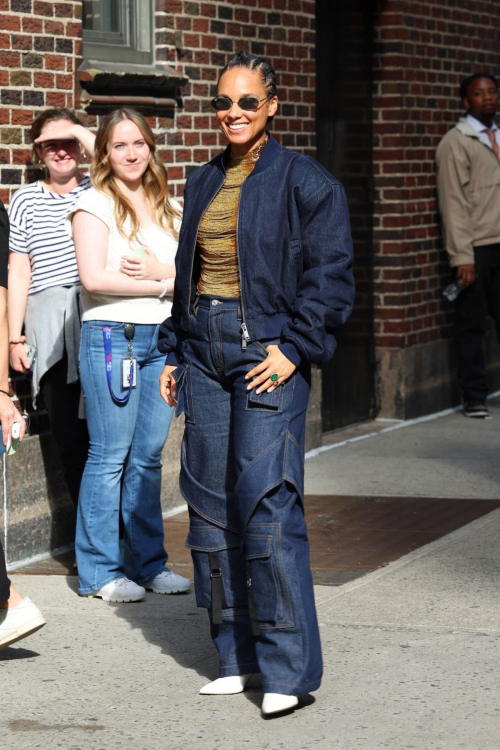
291	352
173	359
463	259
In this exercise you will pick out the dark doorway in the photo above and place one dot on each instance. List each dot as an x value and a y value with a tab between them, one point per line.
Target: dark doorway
344	128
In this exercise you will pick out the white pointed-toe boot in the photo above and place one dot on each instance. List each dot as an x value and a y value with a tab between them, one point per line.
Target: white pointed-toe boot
274	703
226	685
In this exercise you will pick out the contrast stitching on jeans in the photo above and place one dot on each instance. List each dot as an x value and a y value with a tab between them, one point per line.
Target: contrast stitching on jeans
285	587
265	450
203	515
259	498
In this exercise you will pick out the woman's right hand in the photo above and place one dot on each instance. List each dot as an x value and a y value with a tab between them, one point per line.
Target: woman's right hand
19	360
168	386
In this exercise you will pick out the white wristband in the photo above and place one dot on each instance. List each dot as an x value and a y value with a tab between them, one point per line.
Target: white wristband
165	288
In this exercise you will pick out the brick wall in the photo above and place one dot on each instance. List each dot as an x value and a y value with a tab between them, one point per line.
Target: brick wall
423	51
198	38
38	45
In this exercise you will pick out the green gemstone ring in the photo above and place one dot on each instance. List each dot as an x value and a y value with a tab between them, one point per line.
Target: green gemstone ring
274	377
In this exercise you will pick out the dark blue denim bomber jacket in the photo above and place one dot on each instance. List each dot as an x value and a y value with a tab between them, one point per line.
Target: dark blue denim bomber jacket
294	252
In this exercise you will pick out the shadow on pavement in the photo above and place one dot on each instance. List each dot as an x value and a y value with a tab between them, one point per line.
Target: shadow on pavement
173	624
10	654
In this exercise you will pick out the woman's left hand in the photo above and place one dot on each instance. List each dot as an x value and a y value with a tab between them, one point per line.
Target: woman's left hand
275	363
147	268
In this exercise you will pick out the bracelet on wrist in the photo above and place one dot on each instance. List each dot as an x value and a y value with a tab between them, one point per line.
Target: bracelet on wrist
13	345
165	288
6	392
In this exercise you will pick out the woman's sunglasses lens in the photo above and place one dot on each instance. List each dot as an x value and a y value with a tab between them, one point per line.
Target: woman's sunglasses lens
220	103
249	103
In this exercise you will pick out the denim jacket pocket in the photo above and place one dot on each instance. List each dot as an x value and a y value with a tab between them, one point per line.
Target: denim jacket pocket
271	596
182	377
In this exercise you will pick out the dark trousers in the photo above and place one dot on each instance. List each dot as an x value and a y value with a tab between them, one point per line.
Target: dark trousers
4	581
61	400
472	307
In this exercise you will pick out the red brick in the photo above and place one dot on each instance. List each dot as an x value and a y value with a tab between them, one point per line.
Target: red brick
32	25
10	60
44	80
74	29
21	156
54	62
42	8
56	99
21	117
56	28
10	22
64	10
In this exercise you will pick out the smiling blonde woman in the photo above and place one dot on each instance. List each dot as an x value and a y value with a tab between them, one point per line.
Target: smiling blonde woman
125	230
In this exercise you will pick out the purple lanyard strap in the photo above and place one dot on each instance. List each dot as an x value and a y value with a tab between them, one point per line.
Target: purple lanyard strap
108	351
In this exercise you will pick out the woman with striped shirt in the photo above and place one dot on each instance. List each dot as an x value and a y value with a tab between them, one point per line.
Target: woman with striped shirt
44	282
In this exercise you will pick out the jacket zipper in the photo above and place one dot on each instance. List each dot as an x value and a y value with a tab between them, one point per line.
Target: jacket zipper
245	337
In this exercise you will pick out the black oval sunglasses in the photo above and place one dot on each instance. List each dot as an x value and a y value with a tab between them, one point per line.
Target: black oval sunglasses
247	103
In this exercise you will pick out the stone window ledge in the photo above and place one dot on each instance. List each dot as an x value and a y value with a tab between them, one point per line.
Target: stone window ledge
152	89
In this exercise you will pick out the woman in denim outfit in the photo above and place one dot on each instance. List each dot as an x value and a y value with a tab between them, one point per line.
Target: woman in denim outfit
264	278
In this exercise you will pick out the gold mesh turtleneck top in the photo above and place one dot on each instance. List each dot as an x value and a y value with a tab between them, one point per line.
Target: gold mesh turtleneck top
217	243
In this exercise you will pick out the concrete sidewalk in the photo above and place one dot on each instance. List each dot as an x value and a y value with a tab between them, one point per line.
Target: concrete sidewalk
411	651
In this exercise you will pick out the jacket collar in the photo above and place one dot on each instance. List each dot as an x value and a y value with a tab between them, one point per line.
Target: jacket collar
466	129
269	155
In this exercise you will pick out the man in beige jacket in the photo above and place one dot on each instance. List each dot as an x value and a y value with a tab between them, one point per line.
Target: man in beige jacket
468	182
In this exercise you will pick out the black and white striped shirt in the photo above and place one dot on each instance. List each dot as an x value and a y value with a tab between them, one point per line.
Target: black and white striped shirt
37	230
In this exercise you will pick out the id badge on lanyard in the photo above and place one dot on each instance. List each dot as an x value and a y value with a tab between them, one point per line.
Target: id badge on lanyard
129	363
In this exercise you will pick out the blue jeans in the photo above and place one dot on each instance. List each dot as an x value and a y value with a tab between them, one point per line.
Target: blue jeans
242	468
122	476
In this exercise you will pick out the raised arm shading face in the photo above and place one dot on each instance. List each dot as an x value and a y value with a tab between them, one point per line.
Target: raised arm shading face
61	155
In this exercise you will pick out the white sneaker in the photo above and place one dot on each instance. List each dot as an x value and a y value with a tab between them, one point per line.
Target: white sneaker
120	590
19	622
168	582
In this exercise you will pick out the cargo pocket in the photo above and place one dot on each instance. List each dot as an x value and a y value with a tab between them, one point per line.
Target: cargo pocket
182	377
268	581
264	401
204	540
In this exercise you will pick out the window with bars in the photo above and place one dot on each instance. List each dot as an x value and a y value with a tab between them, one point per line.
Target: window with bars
118	31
